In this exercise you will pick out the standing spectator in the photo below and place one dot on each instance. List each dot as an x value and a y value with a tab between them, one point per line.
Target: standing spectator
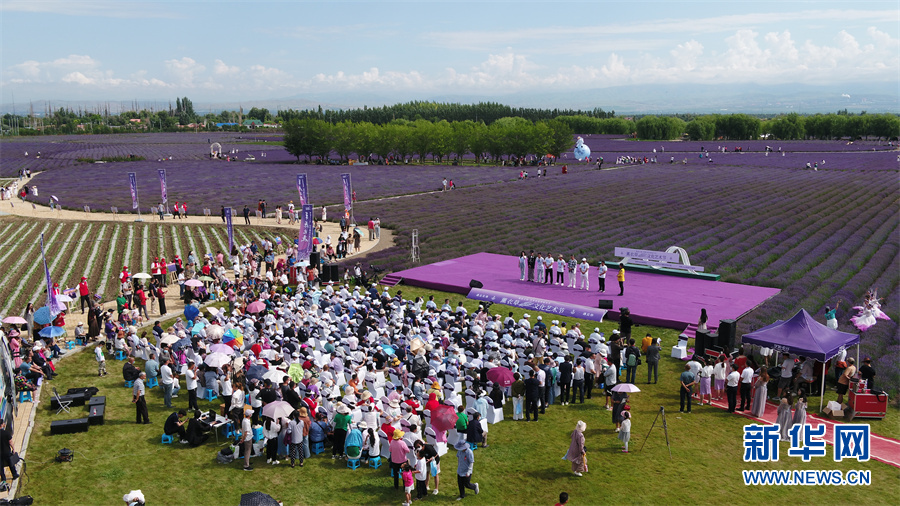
6	451
167	382
465	468
85	294
746	387
621	278
532	391
246	214
191	375
844	380
399	449
625	432
687	385
632	355
731	387
518	393
247	438
101	360
565	379
577	454
371	228
653	360
140	403
578	381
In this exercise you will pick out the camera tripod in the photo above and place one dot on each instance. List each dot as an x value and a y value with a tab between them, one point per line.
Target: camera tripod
662	411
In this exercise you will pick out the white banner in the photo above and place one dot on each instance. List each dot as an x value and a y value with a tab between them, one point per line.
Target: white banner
643	254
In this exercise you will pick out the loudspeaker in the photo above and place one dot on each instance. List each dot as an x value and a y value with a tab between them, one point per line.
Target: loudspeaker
97	400
712	341
476	284
325	274
95	414
69	426
314	259
727	334
335	272
700	341
88	391
605	304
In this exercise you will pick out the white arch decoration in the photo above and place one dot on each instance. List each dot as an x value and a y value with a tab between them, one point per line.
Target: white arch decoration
215	149
682	254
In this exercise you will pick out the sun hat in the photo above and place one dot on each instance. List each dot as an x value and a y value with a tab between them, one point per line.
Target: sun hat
461	444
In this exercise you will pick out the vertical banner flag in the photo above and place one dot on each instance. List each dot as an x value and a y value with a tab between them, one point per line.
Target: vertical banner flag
55	306
305	239
230	226
132	181
162	186
302	189
348	192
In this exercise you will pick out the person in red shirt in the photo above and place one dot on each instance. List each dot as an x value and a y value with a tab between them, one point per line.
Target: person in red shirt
123	278
184	209
563	499
175	210
371	228
154	268
164	271
141	301
84	294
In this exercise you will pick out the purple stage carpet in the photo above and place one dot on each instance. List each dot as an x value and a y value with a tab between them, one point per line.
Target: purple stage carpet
654	299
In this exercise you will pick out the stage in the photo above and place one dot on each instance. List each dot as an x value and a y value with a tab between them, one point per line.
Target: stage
654	299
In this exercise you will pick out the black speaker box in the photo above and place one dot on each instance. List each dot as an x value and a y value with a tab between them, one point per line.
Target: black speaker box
700	342
605	304
95	414
727	334
712	341
314	259
97	400
69	426
335	272
476	284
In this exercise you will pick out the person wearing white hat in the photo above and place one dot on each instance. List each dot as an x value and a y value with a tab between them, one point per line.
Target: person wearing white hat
583	269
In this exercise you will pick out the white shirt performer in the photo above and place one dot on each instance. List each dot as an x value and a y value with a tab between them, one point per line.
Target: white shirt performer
583	269
601	276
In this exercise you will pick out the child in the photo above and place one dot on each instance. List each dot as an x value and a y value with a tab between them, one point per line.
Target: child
421	475
407	475
625	431
101	360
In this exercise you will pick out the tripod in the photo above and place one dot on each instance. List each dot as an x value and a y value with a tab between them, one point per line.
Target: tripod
662	411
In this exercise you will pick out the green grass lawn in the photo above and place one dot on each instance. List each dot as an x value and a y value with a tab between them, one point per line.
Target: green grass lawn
522	465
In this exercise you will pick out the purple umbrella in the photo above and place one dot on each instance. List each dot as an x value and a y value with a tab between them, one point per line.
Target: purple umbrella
501	376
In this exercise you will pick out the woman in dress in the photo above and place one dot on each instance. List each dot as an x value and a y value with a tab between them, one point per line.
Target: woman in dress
706	375
865	319
758	406
831	316
701	323
577	454
15	346
625	433
784	418
523	265
799	415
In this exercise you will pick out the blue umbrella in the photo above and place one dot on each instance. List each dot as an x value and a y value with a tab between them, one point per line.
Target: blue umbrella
197	327
190	312
52	331
388	349
42	316
256	372
181	343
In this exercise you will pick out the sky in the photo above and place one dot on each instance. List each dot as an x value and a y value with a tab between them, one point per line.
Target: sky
221	51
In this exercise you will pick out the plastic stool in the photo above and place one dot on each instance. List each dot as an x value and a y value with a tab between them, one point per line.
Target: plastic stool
25	395
228	430
318	448
473	446
70	345
79	342
257	434
120	354
167	439
353	463
209	395
375	463
129	384
152	382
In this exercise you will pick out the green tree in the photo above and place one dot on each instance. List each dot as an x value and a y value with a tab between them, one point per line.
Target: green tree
307	137
559	137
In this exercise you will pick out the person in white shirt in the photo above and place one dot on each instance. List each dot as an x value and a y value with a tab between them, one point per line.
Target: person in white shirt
190	376
168	383
720	372
247	439
787	371
601	276
746	387
583	269
731	388
101	360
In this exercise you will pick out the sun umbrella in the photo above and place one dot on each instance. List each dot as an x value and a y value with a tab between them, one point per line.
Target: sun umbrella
52	332
64	298
15	320
181	343
169	339
316	240
501	376
206	278
193	282
256	372
217	359
277	409
276	375
191	312
214	311
388	349
141	275
256	306
443	418
197	327
257	499
42	316
625	387
295	371
222	348
214	332
415	345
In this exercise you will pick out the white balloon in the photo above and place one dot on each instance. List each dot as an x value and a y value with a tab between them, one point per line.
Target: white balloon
582	152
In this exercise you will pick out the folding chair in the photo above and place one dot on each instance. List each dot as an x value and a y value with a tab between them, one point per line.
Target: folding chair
63	405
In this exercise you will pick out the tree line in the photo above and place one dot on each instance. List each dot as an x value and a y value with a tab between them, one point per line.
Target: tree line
511	137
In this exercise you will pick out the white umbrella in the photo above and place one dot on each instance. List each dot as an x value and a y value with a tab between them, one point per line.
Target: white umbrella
214	310
214	332
168	339
276	375
269	354
193	282
217	359
141	275
64	298
625	387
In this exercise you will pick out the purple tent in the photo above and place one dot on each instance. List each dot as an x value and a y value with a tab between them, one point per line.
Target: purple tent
802	335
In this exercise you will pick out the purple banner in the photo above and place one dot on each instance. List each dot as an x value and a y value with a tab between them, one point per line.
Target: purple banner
230	226
162	186
348	192
55	306
132	181
303	189
538	304
305	239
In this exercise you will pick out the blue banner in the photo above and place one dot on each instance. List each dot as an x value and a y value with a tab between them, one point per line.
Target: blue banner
305	239
348	192
538	304
303	189
132	181
230	226
162	186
